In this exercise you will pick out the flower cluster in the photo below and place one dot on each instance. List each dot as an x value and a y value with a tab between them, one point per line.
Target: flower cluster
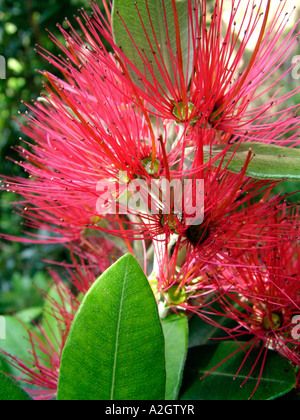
122	159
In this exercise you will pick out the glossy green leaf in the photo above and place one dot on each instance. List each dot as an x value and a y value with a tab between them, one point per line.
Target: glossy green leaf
291	188
268	161
225	383
115	349
155	40
5	366
10	391
292	396
49	321
201	332
29	315
175	329
16	342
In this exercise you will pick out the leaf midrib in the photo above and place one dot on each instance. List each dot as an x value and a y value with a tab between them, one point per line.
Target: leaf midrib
263	379
117	337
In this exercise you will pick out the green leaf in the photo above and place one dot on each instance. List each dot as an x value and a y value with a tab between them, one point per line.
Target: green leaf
115	349
175	329
49	321
16	342
201	332
29	315
289	187
125	10
10	391
292	396
224	383
268	162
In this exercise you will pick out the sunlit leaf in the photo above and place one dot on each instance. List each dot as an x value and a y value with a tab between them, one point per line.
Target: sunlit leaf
115	349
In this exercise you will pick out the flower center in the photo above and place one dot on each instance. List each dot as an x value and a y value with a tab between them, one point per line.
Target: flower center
197	234
272	323
216	115
182	111
172	221
151	168
177	295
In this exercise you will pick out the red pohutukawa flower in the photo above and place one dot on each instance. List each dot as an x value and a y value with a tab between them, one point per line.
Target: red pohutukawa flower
261	294
118	163
223	242
219	84
80	152
95	125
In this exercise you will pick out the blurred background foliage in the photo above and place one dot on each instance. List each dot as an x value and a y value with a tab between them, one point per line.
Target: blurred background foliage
22	26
